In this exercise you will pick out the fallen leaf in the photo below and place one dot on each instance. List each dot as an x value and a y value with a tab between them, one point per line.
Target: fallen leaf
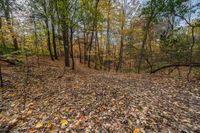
29	112
136	130
39	125
49	124
64	122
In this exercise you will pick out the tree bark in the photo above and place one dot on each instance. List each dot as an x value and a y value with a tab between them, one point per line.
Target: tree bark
8	19
119	65
79	47
85	47
66	43
98	51
71	43
191	53
143	44
90	48
1	77
59	28
48	32
54	41
1	32
53	29
49	39
108	39
36	40
92	34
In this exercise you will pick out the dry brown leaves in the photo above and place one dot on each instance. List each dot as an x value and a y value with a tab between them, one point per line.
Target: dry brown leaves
92	101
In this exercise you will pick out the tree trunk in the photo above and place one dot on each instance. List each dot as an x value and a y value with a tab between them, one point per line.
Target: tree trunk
71	43
66	43
90	48
59	28
1	77
7	15
52	4
119	65
54	41
96	55
49	39
48	32
108	40
98	51
1	32
79	47
36	40
85	47
143	44
92	34
191	53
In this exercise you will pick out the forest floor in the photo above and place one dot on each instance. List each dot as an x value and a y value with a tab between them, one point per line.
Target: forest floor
47	99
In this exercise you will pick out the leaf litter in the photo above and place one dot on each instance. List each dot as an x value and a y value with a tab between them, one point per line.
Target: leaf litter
87	100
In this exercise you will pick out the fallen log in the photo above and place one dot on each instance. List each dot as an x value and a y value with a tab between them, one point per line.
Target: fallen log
175	65
10	61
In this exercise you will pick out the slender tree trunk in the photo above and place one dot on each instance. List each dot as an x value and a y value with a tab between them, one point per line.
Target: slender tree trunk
79	47
52	4
92	34
1	77
7	15
85	47
54	41
8	19
66	43
36	40
108	40
49	40
119	65
191	53
71	43
143	44
98	51
1	90
102	42
48	32
90	48
150	61
59	27
1	32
